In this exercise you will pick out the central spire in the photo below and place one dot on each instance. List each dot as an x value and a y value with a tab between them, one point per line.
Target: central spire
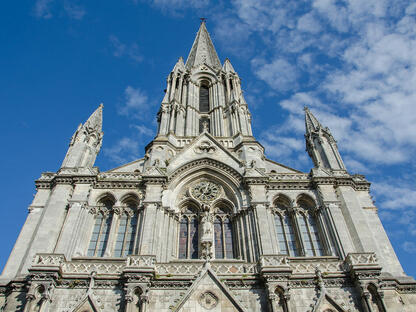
203	50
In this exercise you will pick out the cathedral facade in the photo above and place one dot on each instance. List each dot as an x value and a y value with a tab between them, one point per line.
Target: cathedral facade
204	221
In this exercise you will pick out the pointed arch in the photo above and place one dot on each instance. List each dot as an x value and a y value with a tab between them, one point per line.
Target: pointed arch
376	301
281	299
107	196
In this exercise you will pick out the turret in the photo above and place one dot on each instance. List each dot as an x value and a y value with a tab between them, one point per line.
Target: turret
321	145
86	142
203	92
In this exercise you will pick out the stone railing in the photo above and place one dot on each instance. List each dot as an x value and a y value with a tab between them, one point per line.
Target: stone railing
218	267
274	261
87	267
48	260
144	261
119	175
307	267
364	259
302	265
289	176
179	268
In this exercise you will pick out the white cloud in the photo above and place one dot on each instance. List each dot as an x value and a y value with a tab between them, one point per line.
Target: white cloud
122	49
126	149
42	9
409	247
136	103
74	10
143	130
279	74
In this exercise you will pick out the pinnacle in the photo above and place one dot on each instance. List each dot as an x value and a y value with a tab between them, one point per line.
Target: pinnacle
95	121
227	67
203	50
311	123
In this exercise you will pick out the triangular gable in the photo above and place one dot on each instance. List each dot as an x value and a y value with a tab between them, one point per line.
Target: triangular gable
204	146
88	304
325	302
208	292
129	167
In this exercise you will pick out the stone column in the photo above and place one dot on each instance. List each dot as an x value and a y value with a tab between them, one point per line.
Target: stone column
117	211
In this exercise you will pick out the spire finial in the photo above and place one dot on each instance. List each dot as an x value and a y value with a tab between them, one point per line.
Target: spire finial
203	19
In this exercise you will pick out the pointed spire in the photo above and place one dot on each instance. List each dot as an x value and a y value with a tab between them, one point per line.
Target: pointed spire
311	123
203	50
95	121
179	65
227	67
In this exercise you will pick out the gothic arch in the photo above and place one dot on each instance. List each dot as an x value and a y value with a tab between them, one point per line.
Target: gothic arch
130	196
105	196
306	199
282	199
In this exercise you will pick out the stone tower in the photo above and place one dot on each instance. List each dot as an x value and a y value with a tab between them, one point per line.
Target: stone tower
204	221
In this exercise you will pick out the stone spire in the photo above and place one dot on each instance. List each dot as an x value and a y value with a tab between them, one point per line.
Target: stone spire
203	50
311	123
86	142
321	145
227	67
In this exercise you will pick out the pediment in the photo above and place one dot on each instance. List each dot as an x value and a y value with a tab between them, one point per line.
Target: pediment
204	146
86	305
208	293
326	304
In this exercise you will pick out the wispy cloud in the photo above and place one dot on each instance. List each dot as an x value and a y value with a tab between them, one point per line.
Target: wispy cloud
126	149
129	50
136	103
42	9
74	10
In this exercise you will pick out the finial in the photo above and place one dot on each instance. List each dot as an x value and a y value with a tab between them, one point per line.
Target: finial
305	108
203	19
101	105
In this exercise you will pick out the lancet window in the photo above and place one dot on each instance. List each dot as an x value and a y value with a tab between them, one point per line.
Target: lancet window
285	232
188	234
203	99
297	230
223	234
128	230
101	229
375	299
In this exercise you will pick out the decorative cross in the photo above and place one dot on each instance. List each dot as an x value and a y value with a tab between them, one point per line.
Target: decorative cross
203	19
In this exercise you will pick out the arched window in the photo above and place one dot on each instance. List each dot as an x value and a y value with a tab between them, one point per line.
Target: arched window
188	235
127	232
223	234
101	230
286	236
203	99
308	228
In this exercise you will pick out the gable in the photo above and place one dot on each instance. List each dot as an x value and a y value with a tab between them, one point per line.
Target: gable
204	146
208	293
86	305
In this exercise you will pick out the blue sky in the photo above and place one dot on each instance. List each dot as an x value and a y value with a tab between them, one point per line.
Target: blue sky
351	61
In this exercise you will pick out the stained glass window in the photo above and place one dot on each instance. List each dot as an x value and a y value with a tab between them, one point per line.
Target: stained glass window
126	235
193	233
183	238
315	236
228	236
281	239
203	99
99	237
219	248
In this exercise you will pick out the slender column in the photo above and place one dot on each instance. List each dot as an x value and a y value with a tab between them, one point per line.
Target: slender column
113	232
172	118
